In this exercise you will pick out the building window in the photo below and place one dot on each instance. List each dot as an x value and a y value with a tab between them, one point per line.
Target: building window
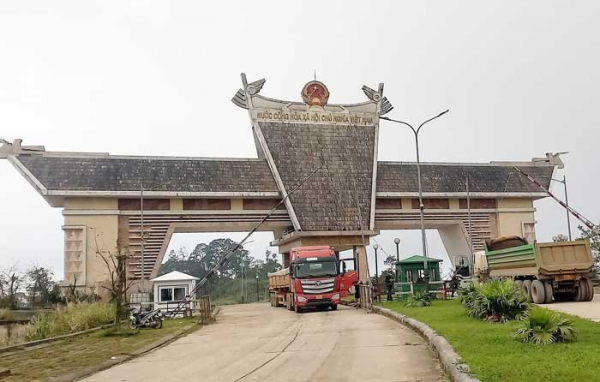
431	204
206	204
388	204
528	231
478	204
168	294
149	204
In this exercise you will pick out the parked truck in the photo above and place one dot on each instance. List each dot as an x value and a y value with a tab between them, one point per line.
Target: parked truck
543	270
315	278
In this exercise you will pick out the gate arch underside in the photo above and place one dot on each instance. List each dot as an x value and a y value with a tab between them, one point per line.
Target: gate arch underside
158	230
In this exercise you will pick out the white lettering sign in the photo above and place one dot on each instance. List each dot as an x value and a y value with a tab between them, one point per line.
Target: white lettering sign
324	117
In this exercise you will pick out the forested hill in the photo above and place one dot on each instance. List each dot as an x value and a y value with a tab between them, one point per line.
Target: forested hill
237	279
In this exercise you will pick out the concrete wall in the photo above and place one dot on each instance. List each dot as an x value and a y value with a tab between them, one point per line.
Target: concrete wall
512	213
100	216
101	233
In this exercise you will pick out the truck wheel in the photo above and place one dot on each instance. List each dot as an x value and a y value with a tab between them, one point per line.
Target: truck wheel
297	309
590	289
549	292
519	284
334	307
579	292
538	292
527	289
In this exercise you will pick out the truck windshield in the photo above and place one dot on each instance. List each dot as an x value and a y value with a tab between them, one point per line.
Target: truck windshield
315	269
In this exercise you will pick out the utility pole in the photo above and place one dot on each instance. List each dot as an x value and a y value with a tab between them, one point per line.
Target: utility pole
142	237
421	205
142	234
243	295
397	242
376	247
564	182
472	260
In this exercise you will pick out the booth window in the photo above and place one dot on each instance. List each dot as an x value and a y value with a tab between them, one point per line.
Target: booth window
168	294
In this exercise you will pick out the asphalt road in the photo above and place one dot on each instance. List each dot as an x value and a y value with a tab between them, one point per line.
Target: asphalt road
255	342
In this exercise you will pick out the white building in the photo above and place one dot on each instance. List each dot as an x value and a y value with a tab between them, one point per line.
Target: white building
172	288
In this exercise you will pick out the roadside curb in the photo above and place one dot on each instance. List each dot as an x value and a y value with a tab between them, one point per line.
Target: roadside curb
451	361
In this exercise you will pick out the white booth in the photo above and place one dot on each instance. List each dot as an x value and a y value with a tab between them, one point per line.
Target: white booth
171	289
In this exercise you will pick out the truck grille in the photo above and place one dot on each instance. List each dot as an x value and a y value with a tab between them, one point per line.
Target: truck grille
317	286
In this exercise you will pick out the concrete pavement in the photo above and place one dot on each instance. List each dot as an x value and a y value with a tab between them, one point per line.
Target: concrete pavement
255	342
588	309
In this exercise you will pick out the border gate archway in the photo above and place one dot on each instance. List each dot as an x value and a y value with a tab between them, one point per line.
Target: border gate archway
348	199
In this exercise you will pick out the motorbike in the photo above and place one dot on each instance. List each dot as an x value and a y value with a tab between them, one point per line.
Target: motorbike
153	319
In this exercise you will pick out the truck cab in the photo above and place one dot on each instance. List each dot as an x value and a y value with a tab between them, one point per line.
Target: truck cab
315	278
319	278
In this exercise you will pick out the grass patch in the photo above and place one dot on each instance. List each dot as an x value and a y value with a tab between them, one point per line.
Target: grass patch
72	318
6	314
495	356
70	355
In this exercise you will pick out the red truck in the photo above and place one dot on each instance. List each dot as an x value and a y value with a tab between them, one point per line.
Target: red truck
315	278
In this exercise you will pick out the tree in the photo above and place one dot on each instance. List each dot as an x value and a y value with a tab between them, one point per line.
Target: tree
593	235
390	261
11	282
41	286
271	262
117	283
227	283
560	238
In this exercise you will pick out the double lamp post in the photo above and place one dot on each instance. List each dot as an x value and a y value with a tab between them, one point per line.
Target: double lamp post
419	185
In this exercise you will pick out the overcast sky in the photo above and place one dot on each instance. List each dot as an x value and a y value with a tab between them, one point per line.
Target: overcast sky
156	78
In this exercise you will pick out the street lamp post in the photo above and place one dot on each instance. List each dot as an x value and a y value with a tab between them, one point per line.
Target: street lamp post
564	182
376	247
257	298
421	205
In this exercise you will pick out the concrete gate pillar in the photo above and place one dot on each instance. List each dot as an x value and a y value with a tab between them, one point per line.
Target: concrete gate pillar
286	259
360	256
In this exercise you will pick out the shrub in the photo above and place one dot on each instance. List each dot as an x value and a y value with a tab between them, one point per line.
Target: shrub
418	299
496	301
72	318
542	327
6	314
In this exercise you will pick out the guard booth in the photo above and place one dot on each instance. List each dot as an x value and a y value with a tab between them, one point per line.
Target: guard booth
411	276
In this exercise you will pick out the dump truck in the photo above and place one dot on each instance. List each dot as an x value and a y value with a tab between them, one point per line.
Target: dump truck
544	271
315	278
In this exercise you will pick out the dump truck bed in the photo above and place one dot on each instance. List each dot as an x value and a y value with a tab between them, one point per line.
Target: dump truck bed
279	279
546	259
565	257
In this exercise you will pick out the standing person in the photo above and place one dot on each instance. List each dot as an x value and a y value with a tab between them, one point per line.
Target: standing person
389	285
357	293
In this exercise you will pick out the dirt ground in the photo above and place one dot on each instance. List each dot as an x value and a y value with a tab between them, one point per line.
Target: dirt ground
256	342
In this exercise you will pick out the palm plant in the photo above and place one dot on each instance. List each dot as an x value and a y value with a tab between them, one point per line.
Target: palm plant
468	293
418	299
496	301
542	327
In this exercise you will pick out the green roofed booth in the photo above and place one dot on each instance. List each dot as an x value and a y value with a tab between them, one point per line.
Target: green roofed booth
411	272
